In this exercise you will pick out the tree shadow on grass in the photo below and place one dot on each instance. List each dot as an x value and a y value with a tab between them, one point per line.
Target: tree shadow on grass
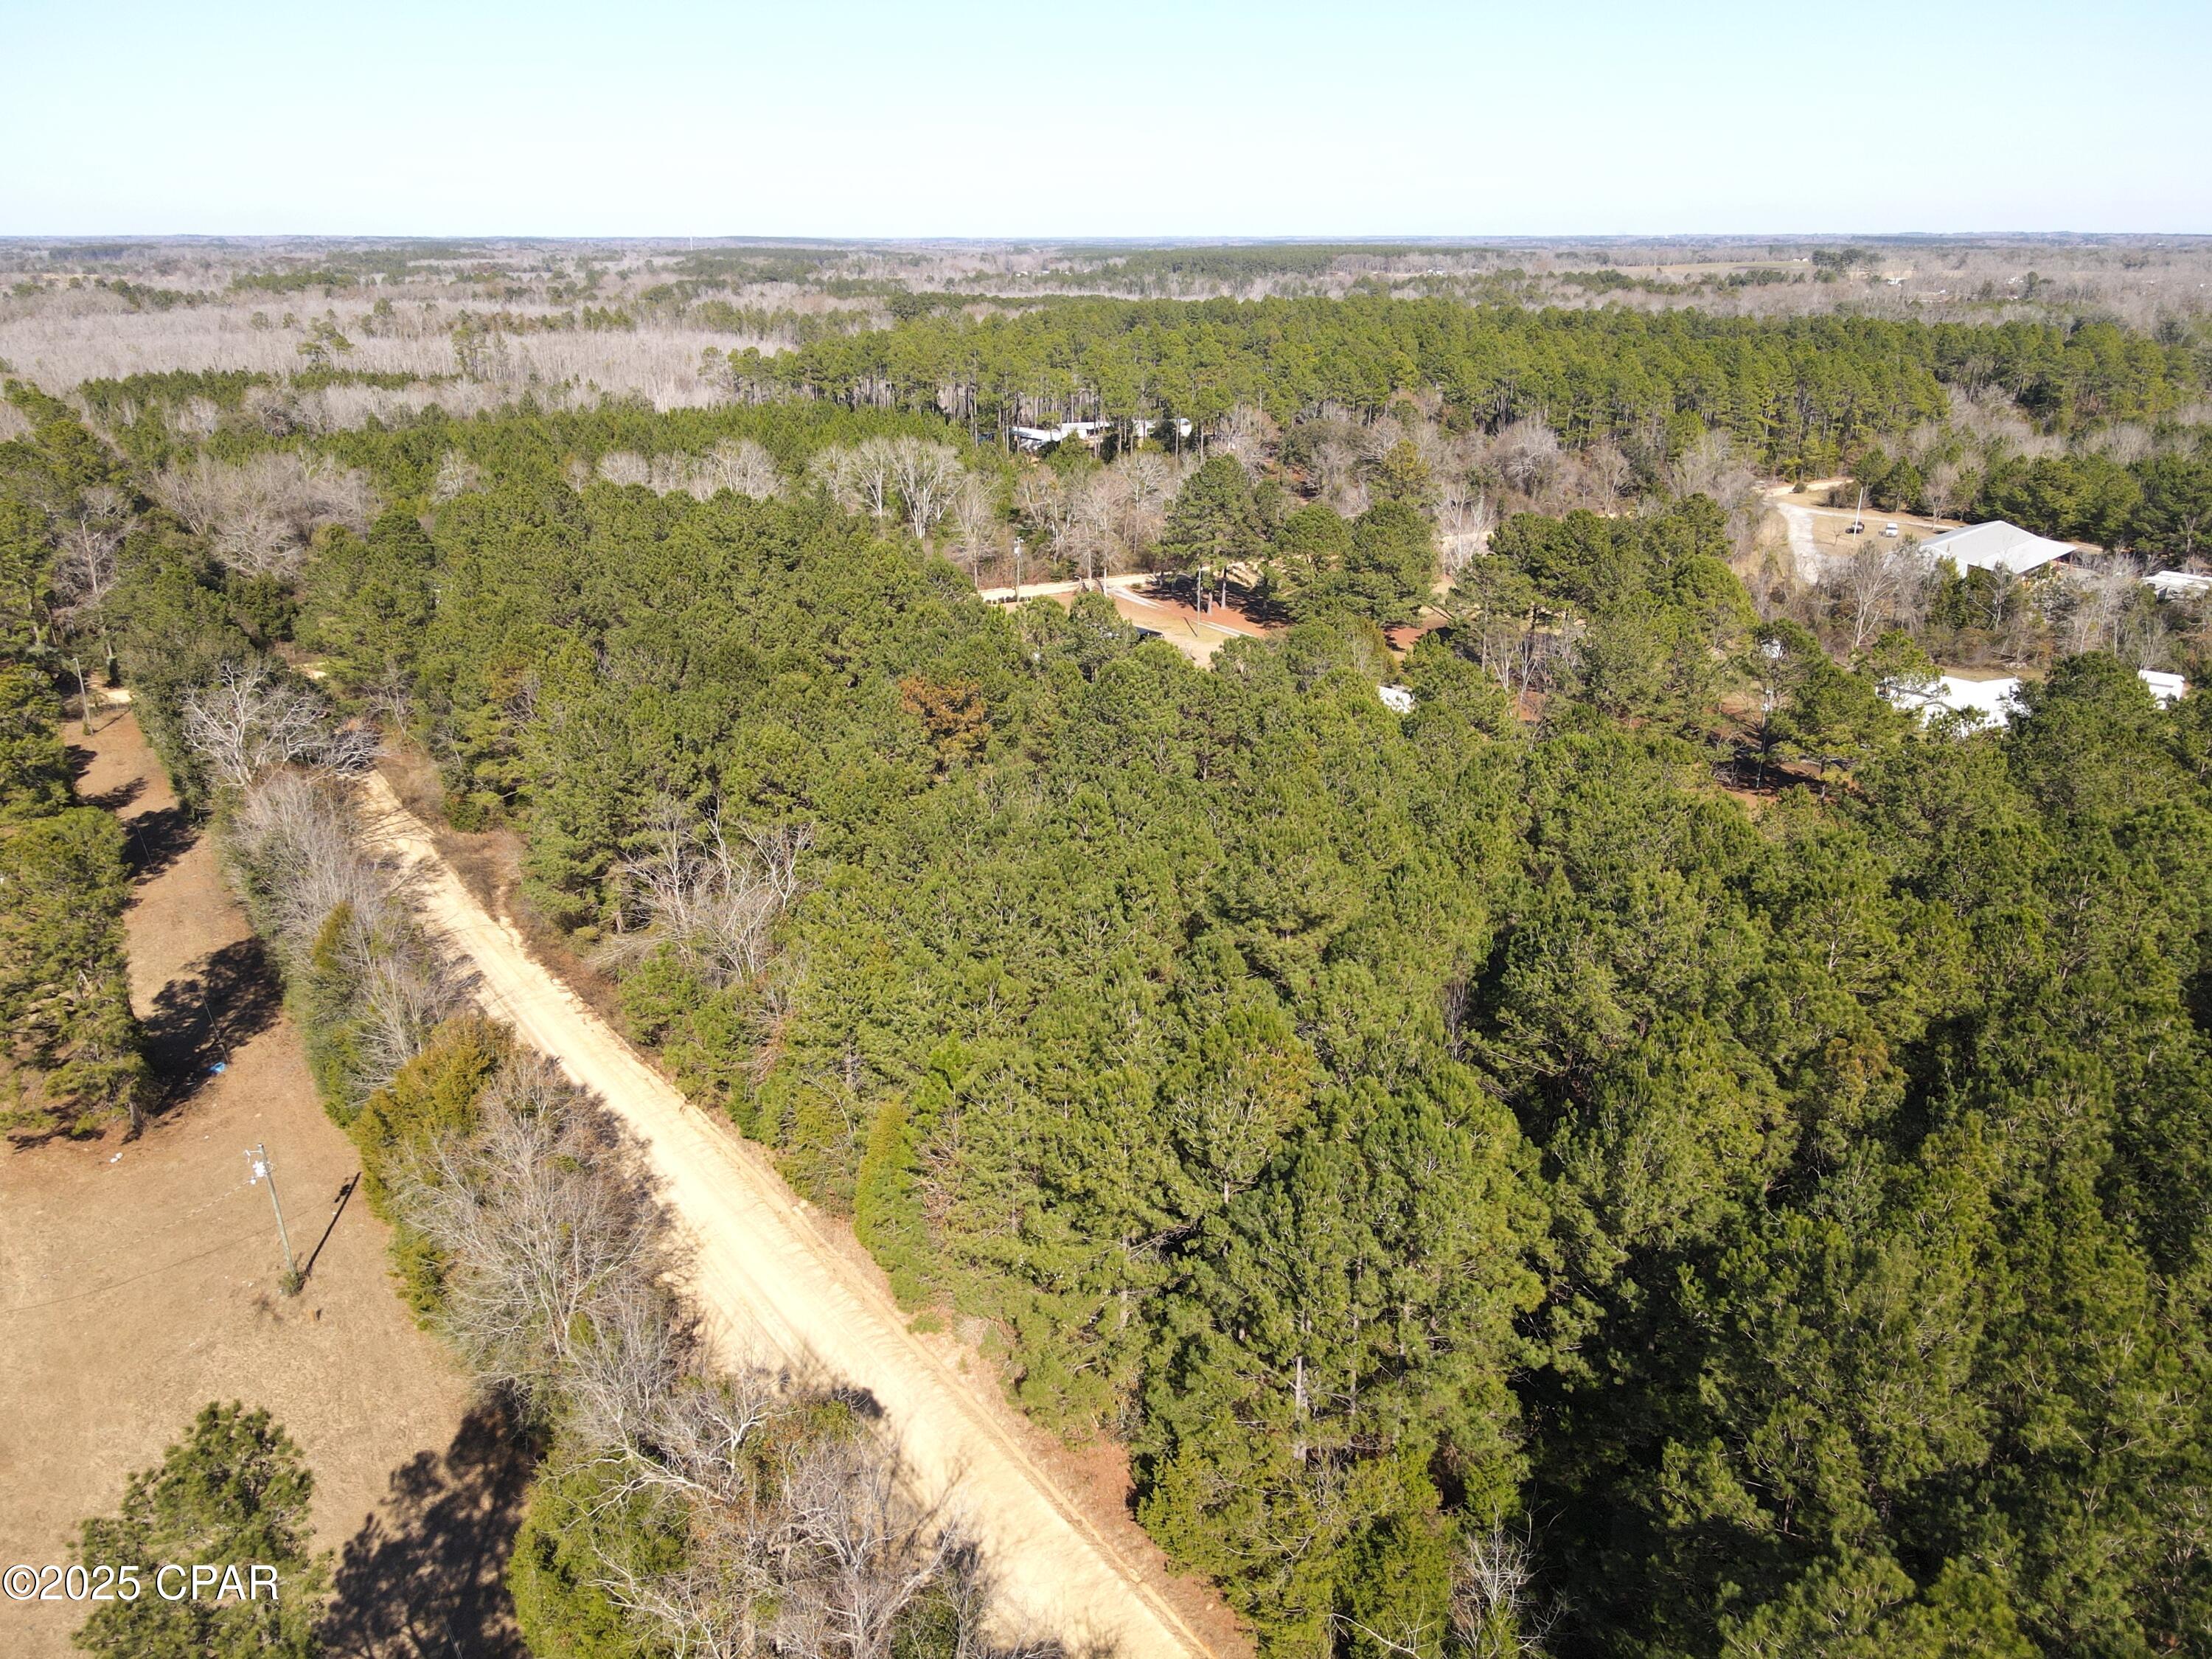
111	801
424	1578
156	839
215	1007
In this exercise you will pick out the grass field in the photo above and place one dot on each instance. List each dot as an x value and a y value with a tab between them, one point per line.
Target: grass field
139	1281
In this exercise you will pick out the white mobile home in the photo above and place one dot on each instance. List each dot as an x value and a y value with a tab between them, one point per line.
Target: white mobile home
2179	584
1998	700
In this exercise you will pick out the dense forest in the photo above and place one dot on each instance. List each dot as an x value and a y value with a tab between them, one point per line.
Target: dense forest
1675	1158
1412	1134
1798	395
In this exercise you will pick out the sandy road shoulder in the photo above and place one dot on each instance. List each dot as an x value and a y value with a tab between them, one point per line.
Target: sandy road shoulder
764	1280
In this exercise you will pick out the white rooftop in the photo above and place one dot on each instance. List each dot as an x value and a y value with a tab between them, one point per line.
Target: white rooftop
1996	702
1998	546
1036	437
2179	584
1990	699
2166	688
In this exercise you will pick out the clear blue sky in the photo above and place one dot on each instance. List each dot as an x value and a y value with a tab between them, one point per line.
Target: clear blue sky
1116	117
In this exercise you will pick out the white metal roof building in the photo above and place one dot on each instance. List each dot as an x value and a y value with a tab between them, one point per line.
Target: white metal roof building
1037	437
1990	699
2179	584
1998	546
1996	701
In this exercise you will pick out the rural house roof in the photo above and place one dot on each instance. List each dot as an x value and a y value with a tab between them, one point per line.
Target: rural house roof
1995	546
2177	584
1998	700
1993	699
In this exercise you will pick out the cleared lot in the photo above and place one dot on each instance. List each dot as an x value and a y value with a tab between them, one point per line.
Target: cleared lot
1818	535
139	1281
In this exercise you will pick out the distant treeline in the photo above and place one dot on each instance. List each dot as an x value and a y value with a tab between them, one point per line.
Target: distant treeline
1799	394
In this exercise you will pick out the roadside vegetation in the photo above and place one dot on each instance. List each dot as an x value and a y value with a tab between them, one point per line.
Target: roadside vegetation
683	1503
70	1058
1652	1151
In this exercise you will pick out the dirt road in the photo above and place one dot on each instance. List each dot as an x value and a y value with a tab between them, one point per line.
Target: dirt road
769	1284
1819	536
1799	522
1197	635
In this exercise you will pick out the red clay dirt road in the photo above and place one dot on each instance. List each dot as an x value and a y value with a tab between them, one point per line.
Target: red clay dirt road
771	1285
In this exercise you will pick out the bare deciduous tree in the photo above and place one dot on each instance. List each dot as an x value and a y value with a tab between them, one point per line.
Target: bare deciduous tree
1246	433
625	468
1042	496
975	514
1147	483
856	1552
1525	452
911	477
716	902
800	1537
192	492
260	513
1609	470
1703	467
1336	475
1465	517
924	477
85	569
298	843
743	467
250	721
737	464
1492	1614
567	1239
1094	516
1941	488
1872	590
2090	604
457	476
404	991
859	478
1711	467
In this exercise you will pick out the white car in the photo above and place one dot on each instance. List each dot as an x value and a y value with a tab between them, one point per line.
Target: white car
1889	529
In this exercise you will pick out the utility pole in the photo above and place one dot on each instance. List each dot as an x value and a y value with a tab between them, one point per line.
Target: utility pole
83	694
257	1160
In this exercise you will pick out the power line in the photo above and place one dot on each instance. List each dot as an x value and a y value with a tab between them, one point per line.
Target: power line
102	1290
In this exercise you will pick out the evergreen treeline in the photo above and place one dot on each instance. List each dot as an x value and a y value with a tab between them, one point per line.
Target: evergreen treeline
69	1053
71	1058
2161	503
1799	395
